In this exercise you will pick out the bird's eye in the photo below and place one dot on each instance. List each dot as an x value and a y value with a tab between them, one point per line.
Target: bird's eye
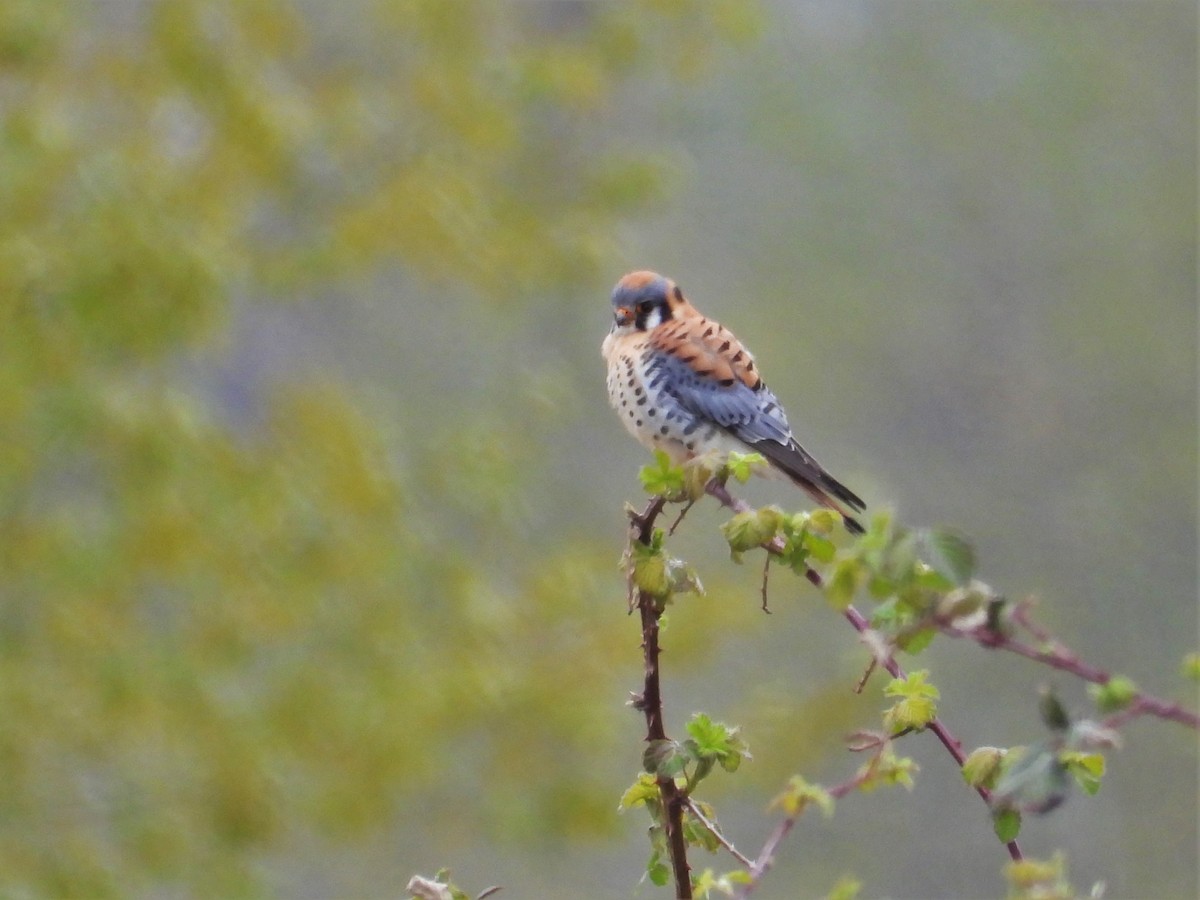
645	306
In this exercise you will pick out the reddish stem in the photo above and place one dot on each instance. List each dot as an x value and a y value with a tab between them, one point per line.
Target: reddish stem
1054	654
650	703
952	744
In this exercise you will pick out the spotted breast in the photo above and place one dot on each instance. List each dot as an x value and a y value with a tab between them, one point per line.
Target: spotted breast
641	388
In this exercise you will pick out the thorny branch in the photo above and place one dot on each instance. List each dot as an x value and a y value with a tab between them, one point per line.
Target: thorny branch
1044	649
1052	653
766	857
1047	649
949	741
716	832
650	703
952	744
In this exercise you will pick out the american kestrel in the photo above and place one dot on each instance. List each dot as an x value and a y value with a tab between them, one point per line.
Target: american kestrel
683	383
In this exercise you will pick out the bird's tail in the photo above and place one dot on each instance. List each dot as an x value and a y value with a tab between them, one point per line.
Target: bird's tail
808	475
833	494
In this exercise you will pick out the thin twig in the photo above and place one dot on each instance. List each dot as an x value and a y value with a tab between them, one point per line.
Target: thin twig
716	832
679	518
766	857
1056	655
952	744
866	675
1020	615
766	575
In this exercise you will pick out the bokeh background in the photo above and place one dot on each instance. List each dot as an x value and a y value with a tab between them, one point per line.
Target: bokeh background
311	504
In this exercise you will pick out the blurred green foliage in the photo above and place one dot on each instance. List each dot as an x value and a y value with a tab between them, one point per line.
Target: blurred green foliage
215	638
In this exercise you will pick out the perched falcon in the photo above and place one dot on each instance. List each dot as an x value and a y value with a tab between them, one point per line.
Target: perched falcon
683	383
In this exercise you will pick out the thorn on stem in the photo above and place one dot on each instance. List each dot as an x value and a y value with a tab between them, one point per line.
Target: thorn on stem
862	682
679	518
766	574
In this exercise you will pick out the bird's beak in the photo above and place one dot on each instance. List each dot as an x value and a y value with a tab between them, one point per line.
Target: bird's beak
623	315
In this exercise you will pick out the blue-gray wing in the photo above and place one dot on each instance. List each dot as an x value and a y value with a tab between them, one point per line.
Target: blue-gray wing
749	415
755	417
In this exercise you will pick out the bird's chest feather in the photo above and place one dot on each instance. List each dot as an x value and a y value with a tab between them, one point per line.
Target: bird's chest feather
639	389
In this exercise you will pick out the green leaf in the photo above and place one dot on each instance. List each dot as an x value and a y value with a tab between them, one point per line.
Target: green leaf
963	602
823	521
739	534
1032	779
846	888
927	578
1007	824
708	883
799	795
651	571
899	562
696	833
981	768
819	547
662	478
880	586
917	601
1053	713
751	529
917	706
657	870
701	768
1191	666
658	838
742	465
704	884
1115	694
887	770
644	790
888	617
843	583
1086	768
770	521
1034	879
717	741
795	556
708	735
696	475
664	758
949	554
915	641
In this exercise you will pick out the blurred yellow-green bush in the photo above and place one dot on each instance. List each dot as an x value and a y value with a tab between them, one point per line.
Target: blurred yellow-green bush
226	623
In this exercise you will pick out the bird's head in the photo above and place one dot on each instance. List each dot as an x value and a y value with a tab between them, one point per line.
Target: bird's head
644	300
